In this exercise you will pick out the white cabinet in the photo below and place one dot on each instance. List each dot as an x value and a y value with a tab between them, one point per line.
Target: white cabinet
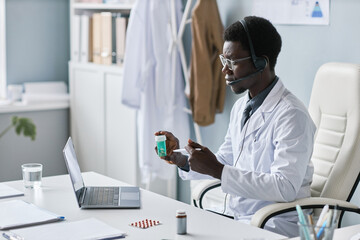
103	130
120	129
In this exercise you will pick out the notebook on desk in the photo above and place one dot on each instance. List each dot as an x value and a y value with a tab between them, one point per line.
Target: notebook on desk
90	228
97	197
18	213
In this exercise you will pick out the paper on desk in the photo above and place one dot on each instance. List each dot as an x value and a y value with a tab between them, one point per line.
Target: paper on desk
6	191
17	213
90	228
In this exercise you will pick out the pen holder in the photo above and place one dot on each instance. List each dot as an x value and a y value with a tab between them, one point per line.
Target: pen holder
312	232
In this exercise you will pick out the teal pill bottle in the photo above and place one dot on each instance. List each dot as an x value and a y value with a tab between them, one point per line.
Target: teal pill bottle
161	145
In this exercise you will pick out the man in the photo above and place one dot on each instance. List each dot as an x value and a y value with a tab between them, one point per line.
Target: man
265	157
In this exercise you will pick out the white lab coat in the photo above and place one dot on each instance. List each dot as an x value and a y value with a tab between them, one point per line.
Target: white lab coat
148	86
269	159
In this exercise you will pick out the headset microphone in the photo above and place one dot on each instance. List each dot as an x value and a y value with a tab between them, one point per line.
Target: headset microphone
260	63
230	83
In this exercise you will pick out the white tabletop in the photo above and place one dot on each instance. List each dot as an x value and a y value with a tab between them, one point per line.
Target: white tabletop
56	195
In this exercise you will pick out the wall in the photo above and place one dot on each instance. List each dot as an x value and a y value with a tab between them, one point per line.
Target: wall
52	128
37	40
37	37
304	50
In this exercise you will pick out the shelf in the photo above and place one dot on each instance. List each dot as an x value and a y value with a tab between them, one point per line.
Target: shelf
20	107
102	6
94	66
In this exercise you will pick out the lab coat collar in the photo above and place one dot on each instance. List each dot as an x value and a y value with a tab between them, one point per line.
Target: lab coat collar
257	120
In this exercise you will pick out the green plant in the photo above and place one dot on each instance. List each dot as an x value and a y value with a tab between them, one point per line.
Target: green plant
21	125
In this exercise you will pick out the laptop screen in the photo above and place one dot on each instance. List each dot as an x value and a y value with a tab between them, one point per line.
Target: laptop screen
73	166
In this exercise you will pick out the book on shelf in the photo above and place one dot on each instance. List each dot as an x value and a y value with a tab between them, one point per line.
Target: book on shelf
113	38
121	23
85	39
75	55
99	38
96	38
106	38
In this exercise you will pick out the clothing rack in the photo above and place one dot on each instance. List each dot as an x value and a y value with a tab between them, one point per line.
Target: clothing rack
174	46
178	42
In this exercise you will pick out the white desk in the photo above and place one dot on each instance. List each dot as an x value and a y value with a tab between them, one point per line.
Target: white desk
56	195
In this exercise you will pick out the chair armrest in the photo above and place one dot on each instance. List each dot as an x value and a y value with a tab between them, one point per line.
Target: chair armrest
200	190
264	214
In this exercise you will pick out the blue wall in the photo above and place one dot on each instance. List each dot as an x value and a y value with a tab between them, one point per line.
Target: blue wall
37	40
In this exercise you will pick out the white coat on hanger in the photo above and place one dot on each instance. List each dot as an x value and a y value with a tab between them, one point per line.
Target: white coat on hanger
148	84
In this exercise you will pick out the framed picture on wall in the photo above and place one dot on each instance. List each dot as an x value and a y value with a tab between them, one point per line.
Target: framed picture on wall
301	12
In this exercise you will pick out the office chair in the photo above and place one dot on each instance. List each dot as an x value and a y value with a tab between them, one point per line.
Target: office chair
335	109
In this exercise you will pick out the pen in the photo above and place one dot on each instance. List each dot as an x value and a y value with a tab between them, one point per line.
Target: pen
183	150
322	215
324	219
335	215
311	224
303	222
321	230
12	236
329	220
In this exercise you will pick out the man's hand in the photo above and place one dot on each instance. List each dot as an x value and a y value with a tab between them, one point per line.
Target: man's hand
172	143
203	161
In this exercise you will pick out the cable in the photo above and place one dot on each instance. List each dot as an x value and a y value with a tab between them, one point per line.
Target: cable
242	146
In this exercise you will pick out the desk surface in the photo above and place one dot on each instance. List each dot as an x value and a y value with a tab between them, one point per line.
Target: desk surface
56	195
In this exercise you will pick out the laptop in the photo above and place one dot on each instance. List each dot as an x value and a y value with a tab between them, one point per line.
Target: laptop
97	197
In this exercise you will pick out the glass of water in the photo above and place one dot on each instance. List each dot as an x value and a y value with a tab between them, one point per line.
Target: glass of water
32	173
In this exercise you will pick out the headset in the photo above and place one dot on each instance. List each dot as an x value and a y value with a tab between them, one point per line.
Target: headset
260	63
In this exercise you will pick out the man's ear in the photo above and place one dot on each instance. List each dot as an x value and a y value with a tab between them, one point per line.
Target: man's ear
267	60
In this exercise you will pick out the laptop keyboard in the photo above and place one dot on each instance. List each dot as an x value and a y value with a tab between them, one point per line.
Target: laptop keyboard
104	196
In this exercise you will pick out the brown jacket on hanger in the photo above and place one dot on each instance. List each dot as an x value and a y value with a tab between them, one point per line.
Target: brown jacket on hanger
207	84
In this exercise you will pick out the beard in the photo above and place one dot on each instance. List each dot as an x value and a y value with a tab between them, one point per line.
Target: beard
238	90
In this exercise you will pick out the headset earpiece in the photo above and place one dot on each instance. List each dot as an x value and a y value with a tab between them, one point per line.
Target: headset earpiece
260	63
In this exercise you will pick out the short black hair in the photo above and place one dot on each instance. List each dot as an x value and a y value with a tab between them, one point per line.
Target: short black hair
264	36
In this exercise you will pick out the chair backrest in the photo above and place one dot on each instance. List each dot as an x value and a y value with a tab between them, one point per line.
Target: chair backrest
335	109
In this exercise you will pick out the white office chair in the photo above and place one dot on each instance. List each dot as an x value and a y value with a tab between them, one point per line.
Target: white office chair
335	109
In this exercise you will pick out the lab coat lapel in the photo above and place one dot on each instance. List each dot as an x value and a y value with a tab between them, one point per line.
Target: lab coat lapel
272	100
257	120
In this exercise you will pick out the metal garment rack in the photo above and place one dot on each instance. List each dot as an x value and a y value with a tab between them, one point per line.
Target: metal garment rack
178	43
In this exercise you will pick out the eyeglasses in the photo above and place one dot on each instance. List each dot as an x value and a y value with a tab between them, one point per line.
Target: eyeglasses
231	63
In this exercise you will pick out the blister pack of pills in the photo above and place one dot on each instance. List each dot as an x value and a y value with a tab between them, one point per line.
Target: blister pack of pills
146	223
